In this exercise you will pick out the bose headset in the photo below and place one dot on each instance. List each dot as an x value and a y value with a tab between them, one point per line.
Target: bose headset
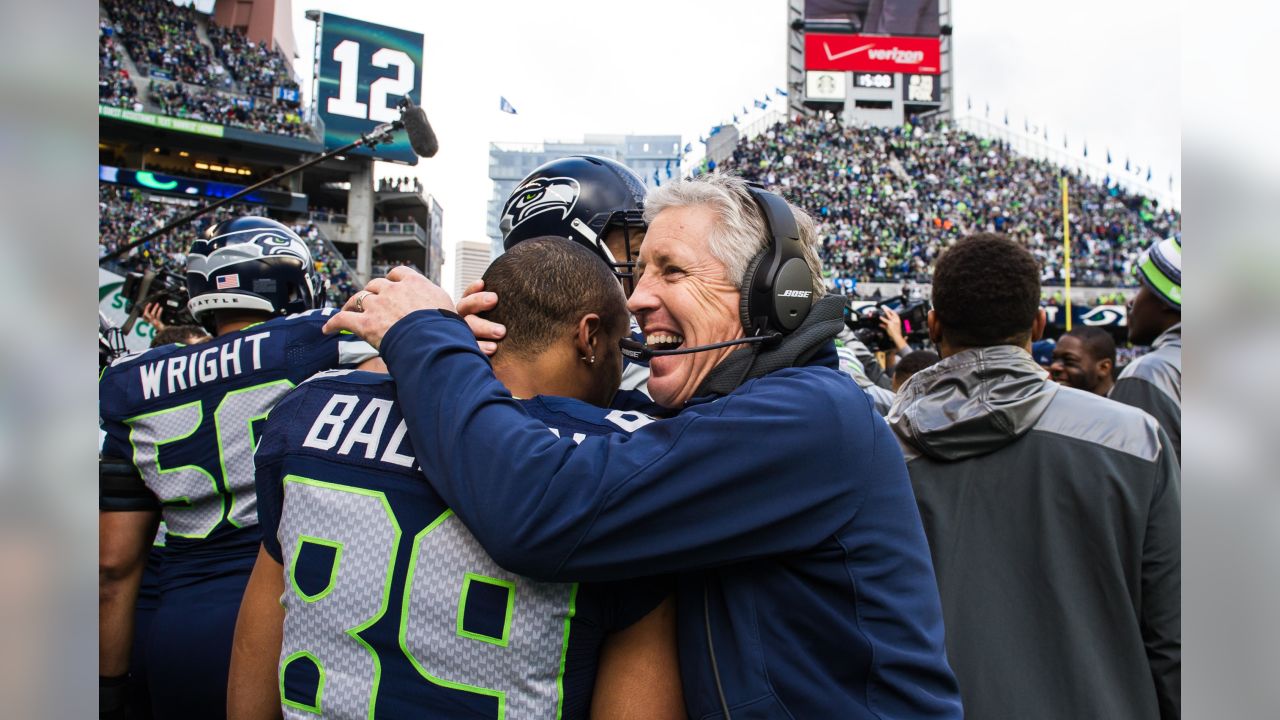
777	290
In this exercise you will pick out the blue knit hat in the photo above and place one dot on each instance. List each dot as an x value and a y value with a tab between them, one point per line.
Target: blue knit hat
1160	269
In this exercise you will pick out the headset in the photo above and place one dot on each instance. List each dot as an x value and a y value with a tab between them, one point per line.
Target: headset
777	289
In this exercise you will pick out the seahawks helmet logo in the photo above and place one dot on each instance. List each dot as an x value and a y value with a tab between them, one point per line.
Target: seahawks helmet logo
539	196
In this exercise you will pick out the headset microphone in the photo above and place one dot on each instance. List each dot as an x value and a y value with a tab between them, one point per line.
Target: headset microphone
640	351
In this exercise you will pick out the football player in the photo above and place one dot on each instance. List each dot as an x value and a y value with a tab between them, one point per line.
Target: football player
593	201
181	423
371	600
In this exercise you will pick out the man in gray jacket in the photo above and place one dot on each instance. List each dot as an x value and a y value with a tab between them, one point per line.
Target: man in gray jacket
1052	513
1153	382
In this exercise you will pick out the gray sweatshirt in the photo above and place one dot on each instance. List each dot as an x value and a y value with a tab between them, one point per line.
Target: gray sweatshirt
1054	523
1153	382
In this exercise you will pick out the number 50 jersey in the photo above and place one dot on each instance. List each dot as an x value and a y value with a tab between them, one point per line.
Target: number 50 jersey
180	425
393	610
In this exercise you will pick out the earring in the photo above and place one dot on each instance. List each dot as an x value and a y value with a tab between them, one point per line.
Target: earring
592	361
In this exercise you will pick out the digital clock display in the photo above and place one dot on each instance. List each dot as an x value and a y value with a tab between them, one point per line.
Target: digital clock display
873	80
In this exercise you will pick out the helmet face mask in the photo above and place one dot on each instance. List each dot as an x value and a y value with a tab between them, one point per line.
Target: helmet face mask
251	264
580	198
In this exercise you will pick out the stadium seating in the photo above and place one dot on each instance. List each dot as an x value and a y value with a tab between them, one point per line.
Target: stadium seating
125	214
889	200
233	82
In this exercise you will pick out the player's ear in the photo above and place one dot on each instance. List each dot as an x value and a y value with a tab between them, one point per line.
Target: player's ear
589	336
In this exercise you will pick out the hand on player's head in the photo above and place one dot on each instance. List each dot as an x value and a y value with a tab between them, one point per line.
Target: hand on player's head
475	301
371	312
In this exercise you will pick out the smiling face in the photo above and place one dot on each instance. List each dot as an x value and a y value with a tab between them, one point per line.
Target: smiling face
1072	365
683	298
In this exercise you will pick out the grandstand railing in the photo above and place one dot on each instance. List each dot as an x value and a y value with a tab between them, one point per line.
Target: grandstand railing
761	124
1034	146
409	228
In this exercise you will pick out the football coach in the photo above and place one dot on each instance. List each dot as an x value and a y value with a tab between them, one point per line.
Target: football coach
775	494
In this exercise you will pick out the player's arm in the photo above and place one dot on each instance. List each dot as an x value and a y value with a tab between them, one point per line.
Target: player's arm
253	692
670	498
123	540
639	673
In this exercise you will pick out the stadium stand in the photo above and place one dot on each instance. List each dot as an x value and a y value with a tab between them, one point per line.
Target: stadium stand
890	200
126	213
233	82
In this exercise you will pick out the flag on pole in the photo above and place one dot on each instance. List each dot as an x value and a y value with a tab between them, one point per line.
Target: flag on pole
1046	133
735	117
656	181
1086	148
1064	141
505	106
744	109
688	147
780	91
767	98
668	168
988	109
1126	164
1148	174
1006	118
1026	125
1108	156
760	105
969	101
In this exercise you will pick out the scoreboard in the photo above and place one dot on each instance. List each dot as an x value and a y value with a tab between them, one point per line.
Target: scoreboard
362	72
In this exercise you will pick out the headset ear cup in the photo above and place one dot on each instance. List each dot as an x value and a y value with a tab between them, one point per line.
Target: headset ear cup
745	310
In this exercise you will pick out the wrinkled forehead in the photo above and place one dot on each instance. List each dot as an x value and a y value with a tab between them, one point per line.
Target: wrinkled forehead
679	236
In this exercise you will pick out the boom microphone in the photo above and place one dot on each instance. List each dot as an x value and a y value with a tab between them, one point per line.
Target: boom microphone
421	137
639	351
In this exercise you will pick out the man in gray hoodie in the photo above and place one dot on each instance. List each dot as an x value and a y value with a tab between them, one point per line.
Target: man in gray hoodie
1052	513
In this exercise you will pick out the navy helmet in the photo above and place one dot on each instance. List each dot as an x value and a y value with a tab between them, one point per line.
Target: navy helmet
251	263
580	198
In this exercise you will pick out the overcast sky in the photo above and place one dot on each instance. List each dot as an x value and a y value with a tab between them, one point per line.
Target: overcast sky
1100	70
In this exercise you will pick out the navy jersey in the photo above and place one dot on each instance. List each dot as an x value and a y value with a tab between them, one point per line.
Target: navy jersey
392	608
180	425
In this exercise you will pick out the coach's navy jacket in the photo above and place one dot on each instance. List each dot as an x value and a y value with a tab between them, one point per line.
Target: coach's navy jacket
784	506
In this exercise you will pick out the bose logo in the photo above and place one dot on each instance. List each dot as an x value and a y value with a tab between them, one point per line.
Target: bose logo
796	293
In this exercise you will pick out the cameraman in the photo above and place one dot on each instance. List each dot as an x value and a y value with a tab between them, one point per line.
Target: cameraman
892	324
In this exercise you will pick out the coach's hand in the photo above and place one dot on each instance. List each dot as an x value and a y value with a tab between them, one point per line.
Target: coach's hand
473	302
371	312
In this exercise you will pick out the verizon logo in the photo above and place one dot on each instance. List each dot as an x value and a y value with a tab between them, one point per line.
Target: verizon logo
893	54
906	57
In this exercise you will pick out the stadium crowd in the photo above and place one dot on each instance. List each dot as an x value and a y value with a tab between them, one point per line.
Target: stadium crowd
125	214
160	35
259	114
257	68
889	200
233	82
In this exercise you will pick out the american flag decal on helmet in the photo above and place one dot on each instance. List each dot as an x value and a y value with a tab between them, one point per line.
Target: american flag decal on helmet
227	282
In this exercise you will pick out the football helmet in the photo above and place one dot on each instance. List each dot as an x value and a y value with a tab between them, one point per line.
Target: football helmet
581	198
251	263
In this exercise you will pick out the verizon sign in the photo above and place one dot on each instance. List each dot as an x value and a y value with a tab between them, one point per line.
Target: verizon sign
872	53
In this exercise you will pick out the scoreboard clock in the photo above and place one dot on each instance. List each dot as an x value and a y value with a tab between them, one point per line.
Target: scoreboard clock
873	80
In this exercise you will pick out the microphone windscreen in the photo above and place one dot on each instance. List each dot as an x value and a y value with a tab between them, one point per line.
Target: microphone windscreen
421	137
